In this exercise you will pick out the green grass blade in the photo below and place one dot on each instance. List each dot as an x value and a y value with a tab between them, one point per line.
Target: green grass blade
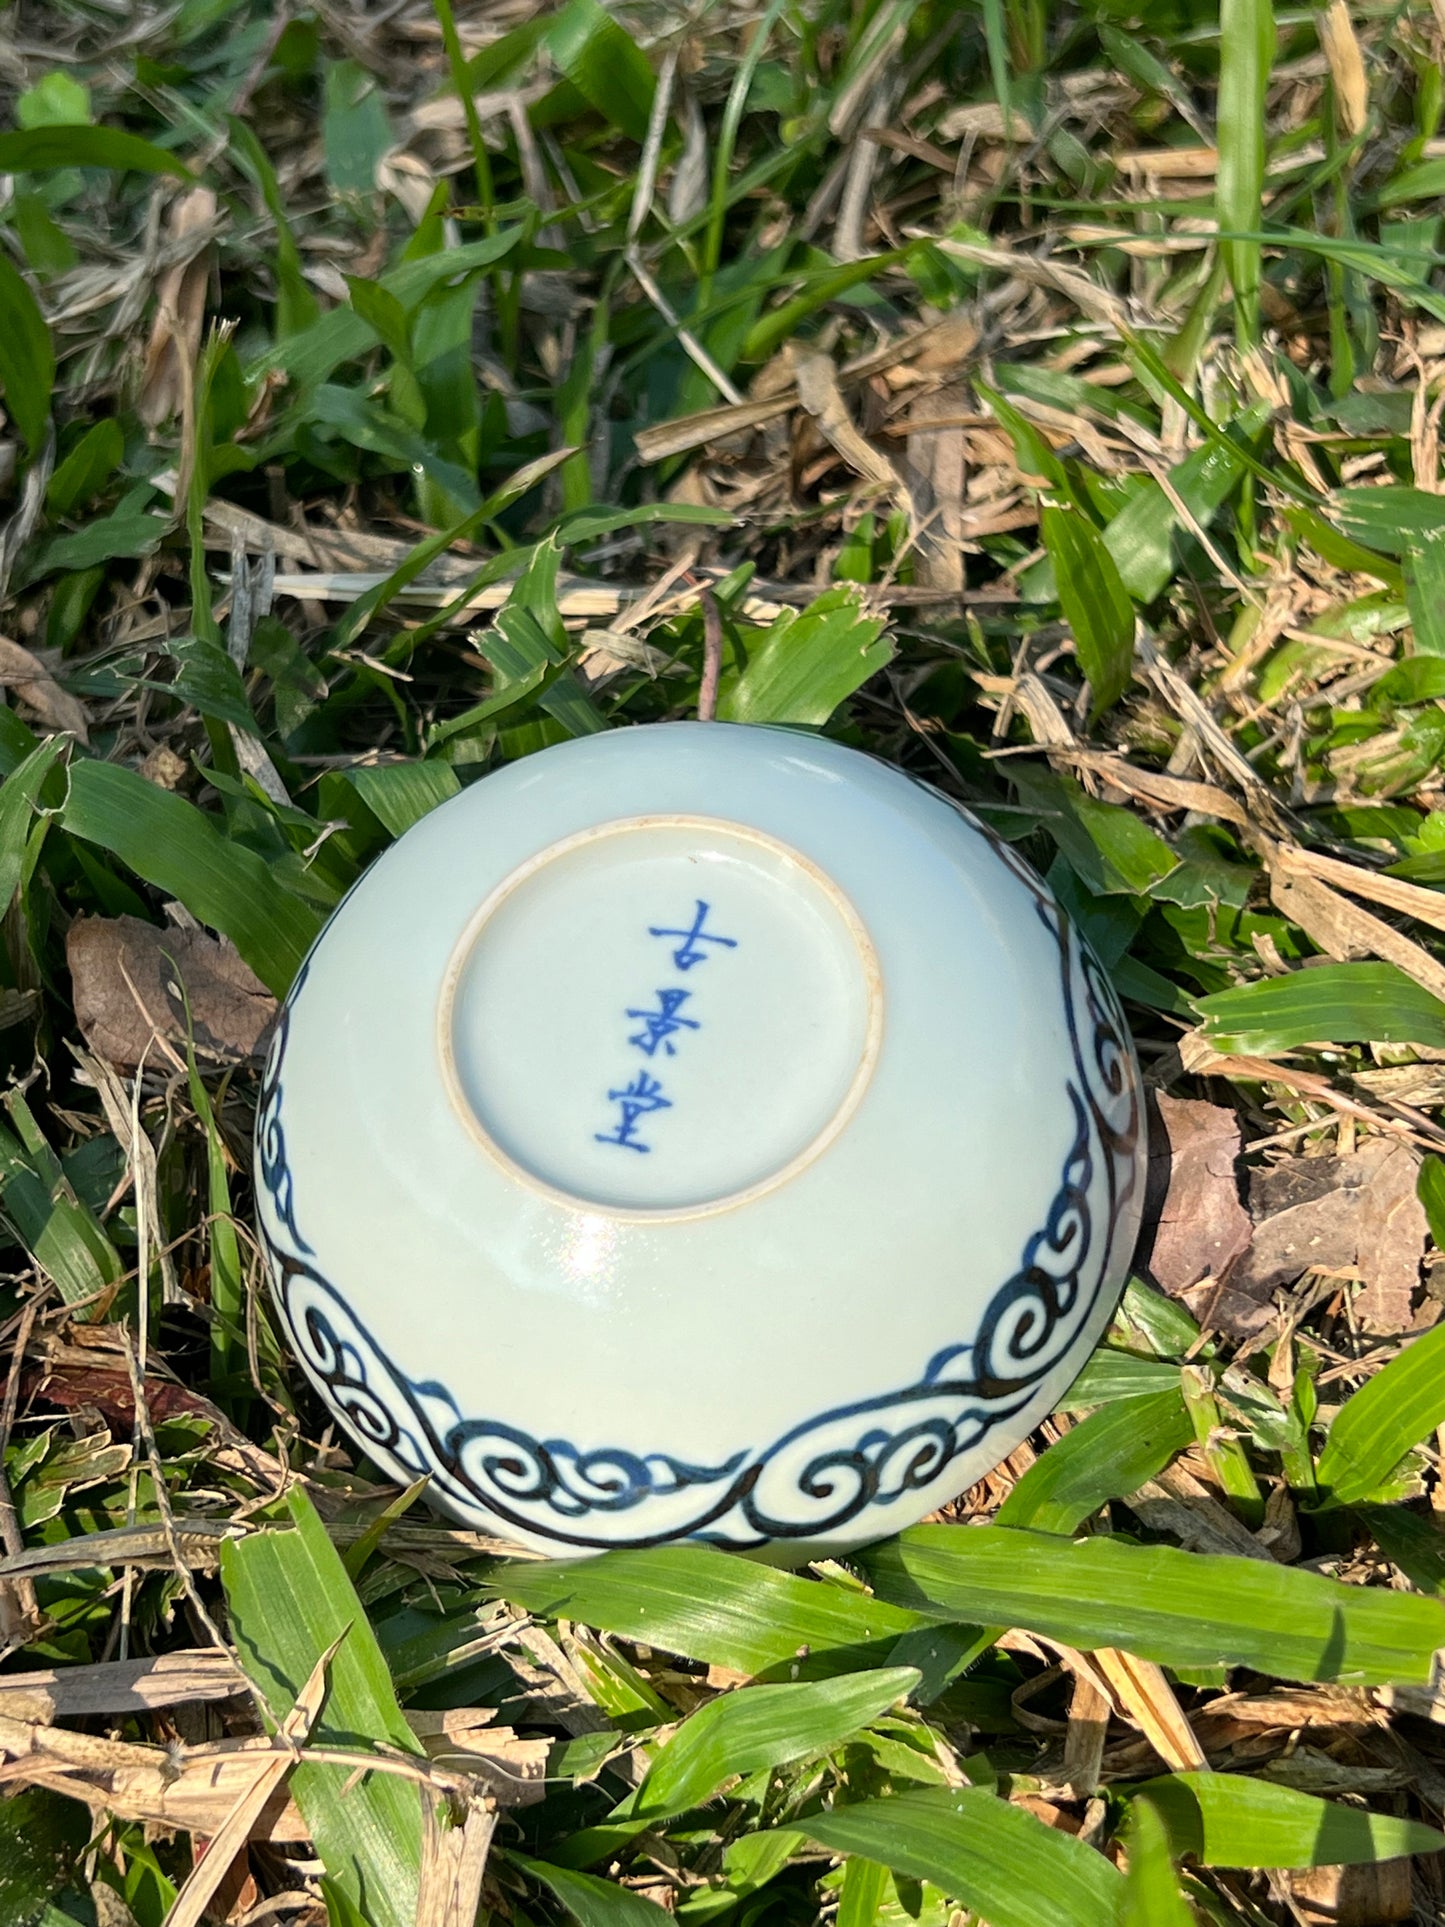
710	1606
1393	519
62	1234
762	1726
1111	1375
1225	1820
860	1898
27	360
1246	52
1431	1193
1331	1004
1391	1413
594	1902
1151	1888
807	664
1425	591
18	795
37	149
605	64
400	794
983	1852
1107	1456
1144	536
1179	1608
184	852
1095	602
289	1599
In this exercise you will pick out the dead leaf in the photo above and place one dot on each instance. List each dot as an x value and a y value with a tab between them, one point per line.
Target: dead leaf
191	1790
1347	67
938	472
34	686
1344	931
1089	1710
822	399
120	1686
512	1770
124	974
175	338
235	1830
1146	1697
454	1859
1202	1228
1368	1896
1356	1214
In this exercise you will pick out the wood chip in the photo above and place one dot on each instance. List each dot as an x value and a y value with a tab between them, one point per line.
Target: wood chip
127	977
1089	1711
938	472
1374	1895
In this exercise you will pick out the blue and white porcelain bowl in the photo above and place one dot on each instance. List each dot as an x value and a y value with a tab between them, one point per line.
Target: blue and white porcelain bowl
697	1132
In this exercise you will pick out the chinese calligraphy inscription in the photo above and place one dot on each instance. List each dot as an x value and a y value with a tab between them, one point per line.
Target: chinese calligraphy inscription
644	1094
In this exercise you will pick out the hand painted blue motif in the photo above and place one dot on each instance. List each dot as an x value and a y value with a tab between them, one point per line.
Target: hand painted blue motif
689	951
659	1024
637	1099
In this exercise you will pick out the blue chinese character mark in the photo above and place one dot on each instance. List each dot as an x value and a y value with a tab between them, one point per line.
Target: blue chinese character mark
689	951
636	1099
659	1024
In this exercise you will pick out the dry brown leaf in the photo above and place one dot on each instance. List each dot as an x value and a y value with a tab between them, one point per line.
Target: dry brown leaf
1411	899
1357	1214
454	1860
190	1790
33	684
123	972
175	338
1345	932
1146	1697
1089	1711
1370	1896
1347	67
120	1686
1184	1507
512	1770
938	471
820	396
1202	1227
1156	786
234	1831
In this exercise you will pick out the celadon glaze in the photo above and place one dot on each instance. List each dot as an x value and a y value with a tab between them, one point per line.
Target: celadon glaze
697	1131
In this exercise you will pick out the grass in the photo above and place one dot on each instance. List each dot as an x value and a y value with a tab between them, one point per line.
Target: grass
1047	401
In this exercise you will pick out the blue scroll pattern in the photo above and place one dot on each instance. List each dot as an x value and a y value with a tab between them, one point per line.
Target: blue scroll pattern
825	1472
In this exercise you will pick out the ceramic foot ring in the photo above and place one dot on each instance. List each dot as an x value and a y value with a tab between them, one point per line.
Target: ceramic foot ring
697	1132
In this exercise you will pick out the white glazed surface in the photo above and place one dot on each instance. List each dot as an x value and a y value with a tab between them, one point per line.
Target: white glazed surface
877	1228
